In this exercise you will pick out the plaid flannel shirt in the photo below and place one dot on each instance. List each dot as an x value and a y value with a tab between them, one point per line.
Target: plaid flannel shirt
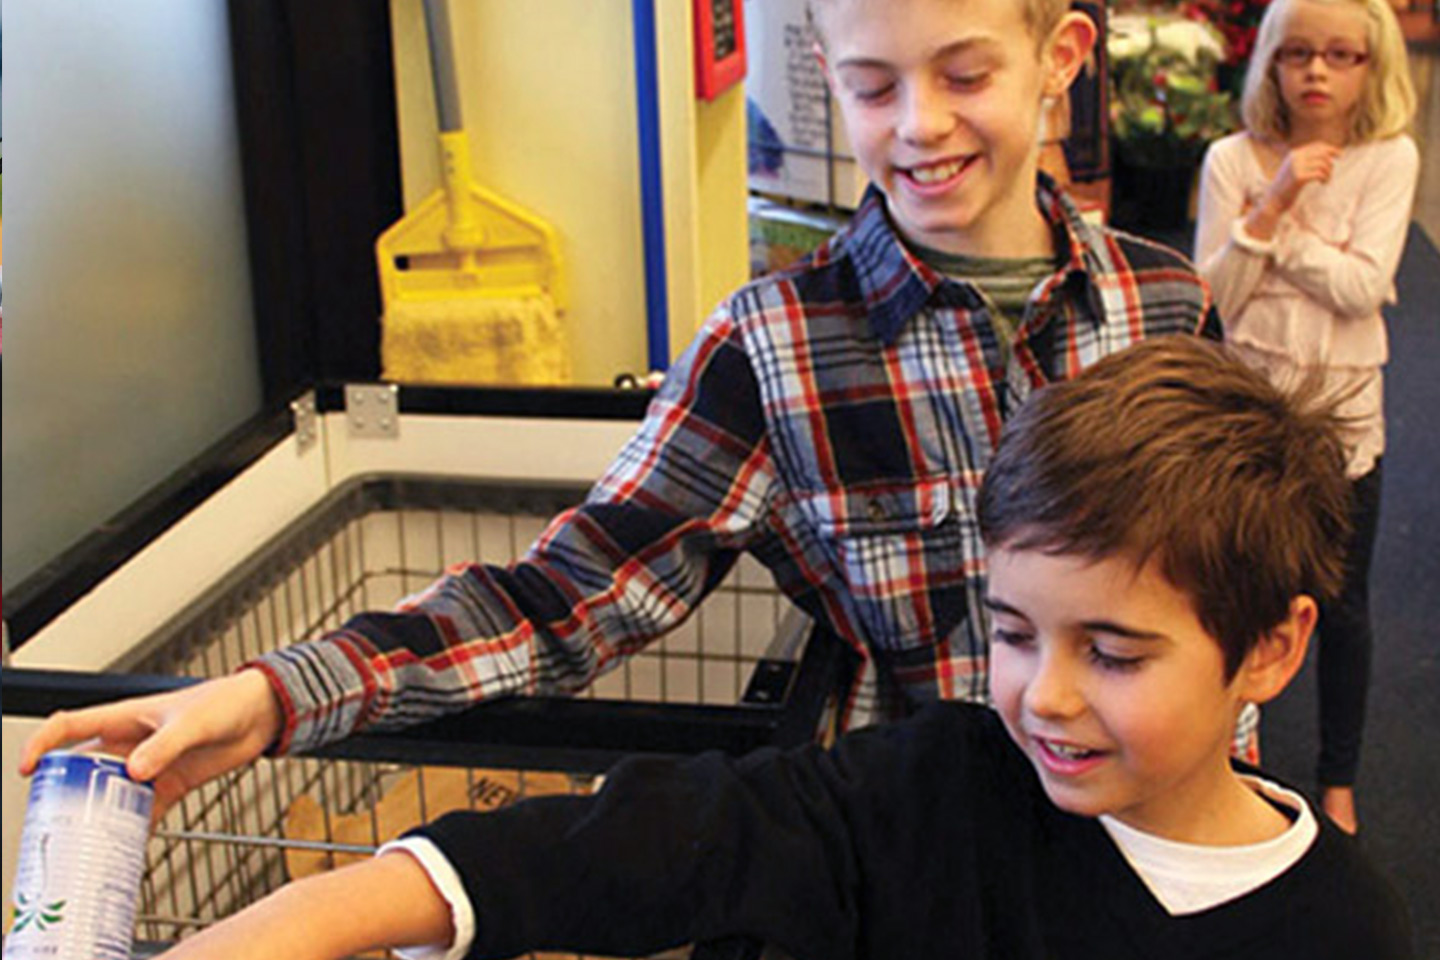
834	420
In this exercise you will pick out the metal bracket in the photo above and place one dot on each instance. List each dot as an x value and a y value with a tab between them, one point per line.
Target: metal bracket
373	410
307	422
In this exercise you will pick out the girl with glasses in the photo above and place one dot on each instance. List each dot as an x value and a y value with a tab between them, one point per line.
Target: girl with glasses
1302	220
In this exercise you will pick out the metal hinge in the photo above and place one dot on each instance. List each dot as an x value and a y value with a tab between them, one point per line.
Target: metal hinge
307	422
373	410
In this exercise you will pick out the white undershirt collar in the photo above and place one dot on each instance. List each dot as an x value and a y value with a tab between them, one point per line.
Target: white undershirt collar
1188	878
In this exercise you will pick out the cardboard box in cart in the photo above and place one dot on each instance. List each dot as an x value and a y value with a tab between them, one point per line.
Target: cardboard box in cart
798	146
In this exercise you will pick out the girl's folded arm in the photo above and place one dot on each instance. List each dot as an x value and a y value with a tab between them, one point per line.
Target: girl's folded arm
1356	279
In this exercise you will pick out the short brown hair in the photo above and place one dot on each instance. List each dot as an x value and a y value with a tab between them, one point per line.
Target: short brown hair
1174	450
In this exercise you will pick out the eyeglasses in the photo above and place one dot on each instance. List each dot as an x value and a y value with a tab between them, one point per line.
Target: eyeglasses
1336	58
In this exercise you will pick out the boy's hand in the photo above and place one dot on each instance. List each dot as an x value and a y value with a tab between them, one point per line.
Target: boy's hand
1311	163
180	739
380	903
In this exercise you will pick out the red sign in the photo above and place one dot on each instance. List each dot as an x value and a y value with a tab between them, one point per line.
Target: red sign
719	46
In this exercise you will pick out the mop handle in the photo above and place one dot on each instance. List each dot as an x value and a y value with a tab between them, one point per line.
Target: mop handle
465	231
442	64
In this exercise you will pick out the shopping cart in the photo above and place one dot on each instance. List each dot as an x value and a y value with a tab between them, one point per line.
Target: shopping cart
739	674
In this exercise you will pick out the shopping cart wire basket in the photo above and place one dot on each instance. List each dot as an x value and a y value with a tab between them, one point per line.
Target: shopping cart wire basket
747	670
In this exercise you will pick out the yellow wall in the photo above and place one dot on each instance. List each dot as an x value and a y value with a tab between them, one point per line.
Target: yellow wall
705	180
548	94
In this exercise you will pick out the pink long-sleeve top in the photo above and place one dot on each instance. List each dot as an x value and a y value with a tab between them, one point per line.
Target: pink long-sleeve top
1315	290
1311	295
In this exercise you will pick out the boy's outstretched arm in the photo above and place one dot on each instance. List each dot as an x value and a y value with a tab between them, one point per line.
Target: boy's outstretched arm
387	901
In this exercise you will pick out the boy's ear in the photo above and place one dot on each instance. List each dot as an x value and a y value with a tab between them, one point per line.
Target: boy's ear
1273	662
1067	50
824	66
819	51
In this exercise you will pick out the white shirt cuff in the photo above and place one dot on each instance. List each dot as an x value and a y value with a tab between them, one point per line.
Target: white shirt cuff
450	886
1243	240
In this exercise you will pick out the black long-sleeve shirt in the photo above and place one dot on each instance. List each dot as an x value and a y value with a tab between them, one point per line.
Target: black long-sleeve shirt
931	837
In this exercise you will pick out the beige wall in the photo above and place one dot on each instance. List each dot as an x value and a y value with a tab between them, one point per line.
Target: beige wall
547	90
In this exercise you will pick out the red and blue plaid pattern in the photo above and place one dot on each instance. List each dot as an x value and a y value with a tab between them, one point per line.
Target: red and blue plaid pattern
834	420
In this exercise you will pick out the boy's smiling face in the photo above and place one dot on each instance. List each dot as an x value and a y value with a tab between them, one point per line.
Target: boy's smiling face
1109	683
941	100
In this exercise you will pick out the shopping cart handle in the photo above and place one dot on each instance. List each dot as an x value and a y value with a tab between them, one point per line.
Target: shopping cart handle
538	733
39	693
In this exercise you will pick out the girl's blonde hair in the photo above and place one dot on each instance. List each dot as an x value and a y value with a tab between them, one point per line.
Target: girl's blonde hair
1387	103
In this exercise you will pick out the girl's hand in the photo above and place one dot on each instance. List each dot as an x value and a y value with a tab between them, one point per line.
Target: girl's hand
179	739
1310	163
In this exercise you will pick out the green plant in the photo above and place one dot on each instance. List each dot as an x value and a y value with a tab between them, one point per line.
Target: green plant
1165	103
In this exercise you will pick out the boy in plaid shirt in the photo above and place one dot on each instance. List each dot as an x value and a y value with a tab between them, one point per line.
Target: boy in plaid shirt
834	420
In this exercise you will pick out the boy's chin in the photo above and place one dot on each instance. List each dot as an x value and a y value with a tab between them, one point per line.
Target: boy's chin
951	232
1078	801
1076	807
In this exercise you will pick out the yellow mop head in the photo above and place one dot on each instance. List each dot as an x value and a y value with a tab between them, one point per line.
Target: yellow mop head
473	288
489	340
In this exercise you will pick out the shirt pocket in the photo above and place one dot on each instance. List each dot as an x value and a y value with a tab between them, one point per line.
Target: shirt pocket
899	550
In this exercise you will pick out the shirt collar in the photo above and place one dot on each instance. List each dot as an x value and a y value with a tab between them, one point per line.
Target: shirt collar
895	283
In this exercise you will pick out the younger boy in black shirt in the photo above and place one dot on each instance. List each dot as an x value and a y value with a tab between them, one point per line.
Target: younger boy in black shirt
1158	530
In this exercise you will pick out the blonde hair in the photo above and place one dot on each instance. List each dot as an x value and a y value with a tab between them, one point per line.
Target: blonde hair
1041	17
1387	102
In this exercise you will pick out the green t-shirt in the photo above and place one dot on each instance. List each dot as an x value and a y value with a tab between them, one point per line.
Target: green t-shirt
1005	282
